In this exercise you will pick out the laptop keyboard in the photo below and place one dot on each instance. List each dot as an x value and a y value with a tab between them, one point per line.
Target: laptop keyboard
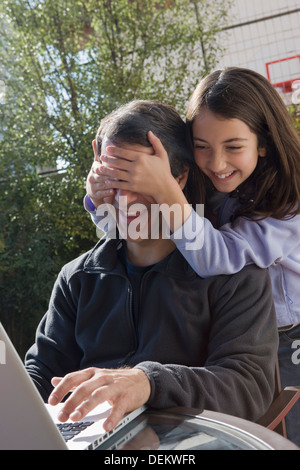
69	430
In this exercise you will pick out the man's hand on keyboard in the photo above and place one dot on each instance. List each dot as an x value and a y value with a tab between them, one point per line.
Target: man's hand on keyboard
125	389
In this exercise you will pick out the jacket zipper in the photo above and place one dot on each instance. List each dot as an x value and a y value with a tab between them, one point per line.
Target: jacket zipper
131	324
146	275
135	328
129	311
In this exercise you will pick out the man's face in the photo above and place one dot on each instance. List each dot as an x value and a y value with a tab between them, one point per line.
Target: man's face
136	214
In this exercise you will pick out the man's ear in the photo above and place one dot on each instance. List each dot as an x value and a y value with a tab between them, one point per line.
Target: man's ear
182	178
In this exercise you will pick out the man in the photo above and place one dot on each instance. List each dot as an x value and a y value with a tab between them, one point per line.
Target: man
130	322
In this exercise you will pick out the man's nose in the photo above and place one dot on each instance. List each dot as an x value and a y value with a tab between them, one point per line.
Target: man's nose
124	198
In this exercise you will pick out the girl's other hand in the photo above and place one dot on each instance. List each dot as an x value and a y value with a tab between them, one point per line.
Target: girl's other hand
96	187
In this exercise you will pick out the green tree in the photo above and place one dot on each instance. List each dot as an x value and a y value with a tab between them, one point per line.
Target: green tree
64	65
294	110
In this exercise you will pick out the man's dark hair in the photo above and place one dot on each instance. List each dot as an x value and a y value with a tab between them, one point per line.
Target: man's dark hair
131	123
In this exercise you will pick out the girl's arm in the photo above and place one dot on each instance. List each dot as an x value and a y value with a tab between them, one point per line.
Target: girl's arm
226	251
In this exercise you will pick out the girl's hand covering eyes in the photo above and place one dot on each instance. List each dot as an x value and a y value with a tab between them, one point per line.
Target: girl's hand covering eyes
133	170
143	170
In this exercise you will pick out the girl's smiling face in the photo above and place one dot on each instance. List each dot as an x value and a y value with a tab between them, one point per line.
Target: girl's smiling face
226	150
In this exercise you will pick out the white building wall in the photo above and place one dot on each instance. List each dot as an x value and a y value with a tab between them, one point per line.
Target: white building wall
263	31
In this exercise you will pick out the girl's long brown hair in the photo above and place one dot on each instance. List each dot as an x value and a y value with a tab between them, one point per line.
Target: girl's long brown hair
273	189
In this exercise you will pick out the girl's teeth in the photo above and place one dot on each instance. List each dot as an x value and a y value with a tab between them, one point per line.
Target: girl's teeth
224	176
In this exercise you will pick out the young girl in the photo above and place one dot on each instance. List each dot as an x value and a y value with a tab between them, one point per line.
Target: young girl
248	155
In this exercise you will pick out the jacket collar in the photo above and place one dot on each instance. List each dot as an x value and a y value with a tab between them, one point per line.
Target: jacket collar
103	258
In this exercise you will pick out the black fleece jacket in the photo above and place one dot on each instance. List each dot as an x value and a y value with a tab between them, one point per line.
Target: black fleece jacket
203	343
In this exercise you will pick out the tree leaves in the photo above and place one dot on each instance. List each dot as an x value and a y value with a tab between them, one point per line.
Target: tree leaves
64	65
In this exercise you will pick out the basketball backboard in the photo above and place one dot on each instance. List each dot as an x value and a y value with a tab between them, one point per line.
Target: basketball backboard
282	73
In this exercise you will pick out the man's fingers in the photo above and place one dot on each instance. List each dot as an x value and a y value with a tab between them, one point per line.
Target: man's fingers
117	413
99	395
67	384
80	396
89	392
56	380
124	389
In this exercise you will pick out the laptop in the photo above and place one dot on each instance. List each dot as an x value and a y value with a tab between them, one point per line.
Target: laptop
27	423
